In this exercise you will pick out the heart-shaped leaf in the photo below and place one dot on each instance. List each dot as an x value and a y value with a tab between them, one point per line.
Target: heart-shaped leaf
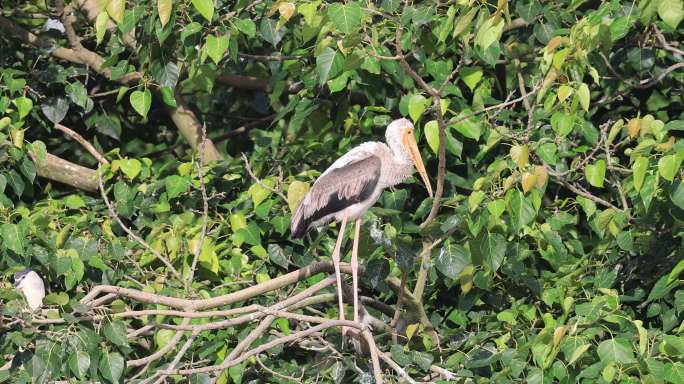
141	101
130	167
205	8
596	173
216	47
417	105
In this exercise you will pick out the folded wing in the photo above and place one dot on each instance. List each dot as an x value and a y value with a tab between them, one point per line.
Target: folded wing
335	190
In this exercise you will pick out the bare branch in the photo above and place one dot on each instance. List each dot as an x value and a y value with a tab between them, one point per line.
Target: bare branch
387	358
266	346
84	143
205	206
161	351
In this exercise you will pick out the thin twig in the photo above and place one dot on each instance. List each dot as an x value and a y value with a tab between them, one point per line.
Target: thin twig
115	216
205	206
387	358
397	309
276	374
161	351
266	346
256	179
84	143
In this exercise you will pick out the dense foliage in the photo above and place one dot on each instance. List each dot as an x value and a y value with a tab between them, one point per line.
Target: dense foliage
553	253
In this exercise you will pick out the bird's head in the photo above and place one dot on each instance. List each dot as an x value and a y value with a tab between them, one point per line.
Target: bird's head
399	136
20	276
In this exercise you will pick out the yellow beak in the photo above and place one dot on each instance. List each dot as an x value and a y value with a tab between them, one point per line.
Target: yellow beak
412	146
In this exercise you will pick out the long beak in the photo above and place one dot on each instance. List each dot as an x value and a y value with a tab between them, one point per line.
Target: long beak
418	161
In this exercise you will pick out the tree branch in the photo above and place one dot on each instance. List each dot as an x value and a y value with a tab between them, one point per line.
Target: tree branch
84	143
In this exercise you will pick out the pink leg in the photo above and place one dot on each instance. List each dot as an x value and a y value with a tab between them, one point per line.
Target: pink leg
338	275
355	268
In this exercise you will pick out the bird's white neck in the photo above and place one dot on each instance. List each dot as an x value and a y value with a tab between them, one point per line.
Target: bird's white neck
399	152
399	167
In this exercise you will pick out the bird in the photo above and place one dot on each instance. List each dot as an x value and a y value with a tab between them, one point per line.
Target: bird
352	184
32	286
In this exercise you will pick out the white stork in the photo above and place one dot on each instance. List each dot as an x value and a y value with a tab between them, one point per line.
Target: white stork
352	184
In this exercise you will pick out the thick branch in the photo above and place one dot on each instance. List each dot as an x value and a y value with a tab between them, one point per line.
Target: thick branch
188	125
57	169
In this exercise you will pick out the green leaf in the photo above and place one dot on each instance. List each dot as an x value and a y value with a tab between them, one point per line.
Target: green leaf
270	32
168	97
578	352
671	11
328	64
74	202
346	17
111	366
452	259
639	169
584	96
668	166
246	26
79	362
661	288
277	255
489	32
55	109
24	106
471	76
176	185
259	193
58	298
463	22
164	8
521	210
141	101
116	9
162	337
617	350
205	8
13	237
596	173
115	331
677	196
489	248
130	167
431	131
216	47
417	104
562	123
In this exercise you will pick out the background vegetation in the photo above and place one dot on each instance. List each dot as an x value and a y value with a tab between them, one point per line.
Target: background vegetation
552	251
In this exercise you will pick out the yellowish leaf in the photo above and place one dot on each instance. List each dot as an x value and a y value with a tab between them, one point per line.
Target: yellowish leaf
558	334
520	155
295	193
563	92
115	9
466	279
164	7
528	181
286	10
411	330
633	127
541	174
